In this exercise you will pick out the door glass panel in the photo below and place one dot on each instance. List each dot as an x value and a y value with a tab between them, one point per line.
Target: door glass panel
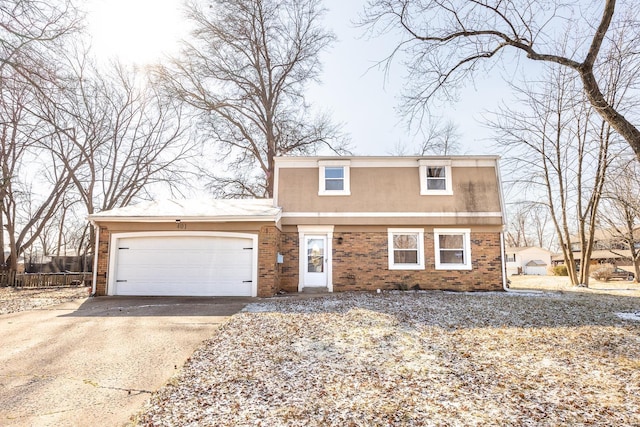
315	255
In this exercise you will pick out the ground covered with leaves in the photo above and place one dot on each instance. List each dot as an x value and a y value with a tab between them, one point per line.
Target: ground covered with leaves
414	358
20	299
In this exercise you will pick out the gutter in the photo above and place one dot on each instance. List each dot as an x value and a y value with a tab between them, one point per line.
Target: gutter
503	210
503	264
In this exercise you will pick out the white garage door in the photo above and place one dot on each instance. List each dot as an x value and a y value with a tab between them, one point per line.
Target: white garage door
537	270
183	266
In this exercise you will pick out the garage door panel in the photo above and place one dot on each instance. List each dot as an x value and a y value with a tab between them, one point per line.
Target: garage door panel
207	266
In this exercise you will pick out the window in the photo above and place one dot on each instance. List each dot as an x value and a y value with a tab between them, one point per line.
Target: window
453	248
406	249
435	177
511	258
334	178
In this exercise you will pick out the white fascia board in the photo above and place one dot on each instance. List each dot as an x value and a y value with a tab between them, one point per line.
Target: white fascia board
274	218
387	161
391	214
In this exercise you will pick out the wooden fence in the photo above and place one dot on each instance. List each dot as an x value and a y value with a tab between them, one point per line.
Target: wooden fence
44	280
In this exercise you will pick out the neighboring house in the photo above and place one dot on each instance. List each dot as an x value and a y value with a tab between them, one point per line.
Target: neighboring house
334	224
608	248
68	262
530	260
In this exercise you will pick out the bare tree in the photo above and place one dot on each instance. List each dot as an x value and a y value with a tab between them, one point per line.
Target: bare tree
32	33
446	42
438	138
441	138
244	71
529	226
559	152
517	234
24	212
116	136
621	211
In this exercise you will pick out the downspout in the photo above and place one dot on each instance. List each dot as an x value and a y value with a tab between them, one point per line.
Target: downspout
503	264
95	260
503	210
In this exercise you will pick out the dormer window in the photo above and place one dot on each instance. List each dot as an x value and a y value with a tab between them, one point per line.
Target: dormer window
435	177
334	178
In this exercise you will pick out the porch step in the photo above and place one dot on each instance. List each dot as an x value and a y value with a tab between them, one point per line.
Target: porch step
315	290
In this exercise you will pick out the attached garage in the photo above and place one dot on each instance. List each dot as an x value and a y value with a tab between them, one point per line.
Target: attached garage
203	247
183	264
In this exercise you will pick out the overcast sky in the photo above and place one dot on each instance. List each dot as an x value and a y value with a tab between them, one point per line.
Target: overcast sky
356	94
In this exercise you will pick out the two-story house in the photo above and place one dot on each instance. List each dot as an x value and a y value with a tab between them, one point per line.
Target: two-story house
334	224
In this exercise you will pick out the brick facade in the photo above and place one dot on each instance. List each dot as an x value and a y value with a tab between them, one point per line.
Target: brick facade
268	268
103	261
290	249
360	263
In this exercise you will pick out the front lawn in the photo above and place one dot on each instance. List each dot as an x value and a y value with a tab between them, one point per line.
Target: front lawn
13	299
425	358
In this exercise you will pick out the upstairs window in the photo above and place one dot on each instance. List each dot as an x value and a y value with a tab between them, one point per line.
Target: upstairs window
453	248
334	178
406	249
435	177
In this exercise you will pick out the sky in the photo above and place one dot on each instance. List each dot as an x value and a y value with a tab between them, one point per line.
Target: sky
353	89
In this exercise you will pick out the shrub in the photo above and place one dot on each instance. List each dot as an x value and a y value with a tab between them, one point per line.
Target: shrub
603	273
560	270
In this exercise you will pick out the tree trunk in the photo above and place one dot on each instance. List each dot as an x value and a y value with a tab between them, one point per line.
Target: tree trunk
617	121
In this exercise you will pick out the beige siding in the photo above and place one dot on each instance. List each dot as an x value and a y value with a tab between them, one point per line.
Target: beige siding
393	190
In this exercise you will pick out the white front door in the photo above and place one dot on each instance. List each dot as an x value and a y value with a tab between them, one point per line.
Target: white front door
315	261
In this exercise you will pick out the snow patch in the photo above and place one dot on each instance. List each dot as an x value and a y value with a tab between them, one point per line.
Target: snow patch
630	316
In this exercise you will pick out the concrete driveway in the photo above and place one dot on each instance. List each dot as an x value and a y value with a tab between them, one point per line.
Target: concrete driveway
96	361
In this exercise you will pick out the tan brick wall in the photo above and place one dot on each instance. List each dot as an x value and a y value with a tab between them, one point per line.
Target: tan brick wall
103	261
268	268
360	262
290	269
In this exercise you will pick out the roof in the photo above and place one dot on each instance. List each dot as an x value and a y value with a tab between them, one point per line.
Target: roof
524	248
536	263
606	234
201	210
598	254
387	161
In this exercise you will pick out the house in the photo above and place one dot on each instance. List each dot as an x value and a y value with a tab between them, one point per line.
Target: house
334	224
530	260
608	248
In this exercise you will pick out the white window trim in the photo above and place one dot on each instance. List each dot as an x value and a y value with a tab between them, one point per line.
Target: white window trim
393	266
423	165
321	177
466	232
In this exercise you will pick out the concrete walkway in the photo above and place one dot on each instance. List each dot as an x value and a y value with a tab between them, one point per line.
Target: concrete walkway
96	361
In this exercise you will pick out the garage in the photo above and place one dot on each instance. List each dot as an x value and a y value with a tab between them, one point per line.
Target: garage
183	264
187	247
535	268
